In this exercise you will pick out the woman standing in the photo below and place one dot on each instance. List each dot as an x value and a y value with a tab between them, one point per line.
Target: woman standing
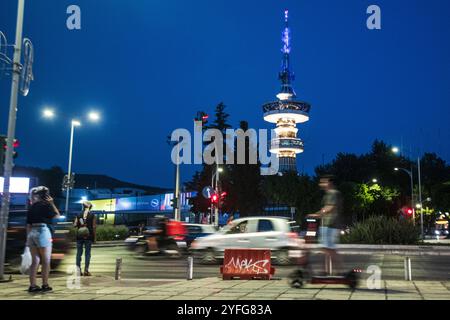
86	225
39	238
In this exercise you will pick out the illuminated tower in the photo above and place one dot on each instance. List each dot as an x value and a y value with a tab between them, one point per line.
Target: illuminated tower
286	112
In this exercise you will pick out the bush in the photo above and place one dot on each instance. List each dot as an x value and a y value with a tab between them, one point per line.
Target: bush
382	230
109	233
105	233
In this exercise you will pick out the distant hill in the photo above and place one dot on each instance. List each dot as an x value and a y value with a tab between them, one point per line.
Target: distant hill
53	178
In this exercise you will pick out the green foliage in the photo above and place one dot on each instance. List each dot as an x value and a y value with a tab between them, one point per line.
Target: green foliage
104	233
382	230
110	233
301	192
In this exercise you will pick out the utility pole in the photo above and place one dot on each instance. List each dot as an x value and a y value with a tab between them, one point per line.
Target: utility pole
420	199
216	210
177	213
69	169
176	193
16	73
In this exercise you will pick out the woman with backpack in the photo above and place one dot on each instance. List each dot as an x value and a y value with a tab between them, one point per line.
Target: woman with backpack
85	224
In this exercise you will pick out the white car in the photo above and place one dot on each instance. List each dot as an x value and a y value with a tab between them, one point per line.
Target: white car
253	232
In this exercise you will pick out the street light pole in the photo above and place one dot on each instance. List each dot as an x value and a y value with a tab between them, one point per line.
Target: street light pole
420	198
69	170
216	212
412	190
11	135
177	213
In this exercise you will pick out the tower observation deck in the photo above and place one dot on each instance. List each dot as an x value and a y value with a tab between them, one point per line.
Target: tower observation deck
286	112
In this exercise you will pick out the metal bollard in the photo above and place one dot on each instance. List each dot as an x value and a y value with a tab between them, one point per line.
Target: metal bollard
118	268
407	264
328	265
190	268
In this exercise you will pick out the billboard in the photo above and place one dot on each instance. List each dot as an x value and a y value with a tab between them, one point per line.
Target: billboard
152	203
107	205
17	185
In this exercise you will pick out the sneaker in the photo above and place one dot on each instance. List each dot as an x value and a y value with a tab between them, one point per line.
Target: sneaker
87	274
34	289
46	288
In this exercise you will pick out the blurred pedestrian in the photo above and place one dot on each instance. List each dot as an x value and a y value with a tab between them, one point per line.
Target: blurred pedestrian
39	238
85	223
330	221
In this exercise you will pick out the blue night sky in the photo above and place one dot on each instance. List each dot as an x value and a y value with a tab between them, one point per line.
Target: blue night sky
150	65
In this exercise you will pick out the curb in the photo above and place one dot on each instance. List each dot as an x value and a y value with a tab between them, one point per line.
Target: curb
103	244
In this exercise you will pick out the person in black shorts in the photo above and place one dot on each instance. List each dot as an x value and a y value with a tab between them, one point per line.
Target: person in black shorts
39	238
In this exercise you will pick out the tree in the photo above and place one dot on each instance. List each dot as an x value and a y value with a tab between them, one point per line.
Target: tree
203	178
245	181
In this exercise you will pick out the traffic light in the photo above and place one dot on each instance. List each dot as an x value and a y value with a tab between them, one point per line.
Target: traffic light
407	212
4	147
222	198
2	150
214	198
202	116
174	203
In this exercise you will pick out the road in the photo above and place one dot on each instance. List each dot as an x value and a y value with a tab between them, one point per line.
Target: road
138	267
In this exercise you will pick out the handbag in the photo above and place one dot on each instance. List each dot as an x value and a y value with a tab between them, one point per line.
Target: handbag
83	232
26	261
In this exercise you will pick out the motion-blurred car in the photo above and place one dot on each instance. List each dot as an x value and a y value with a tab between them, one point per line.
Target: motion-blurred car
195	231
17	234
253	232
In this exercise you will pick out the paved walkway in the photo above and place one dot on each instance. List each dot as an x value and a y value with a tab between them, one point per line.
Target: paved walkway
105	288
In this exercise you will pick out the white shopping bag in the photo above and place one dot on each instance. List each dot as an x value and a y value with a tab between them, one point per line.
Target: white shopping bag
26	261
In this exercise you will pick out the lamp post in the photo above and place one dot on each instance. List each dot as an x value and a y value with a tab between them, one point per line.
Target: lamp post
396	150
176	194
412	191
74	123
92	116
217	191
420	199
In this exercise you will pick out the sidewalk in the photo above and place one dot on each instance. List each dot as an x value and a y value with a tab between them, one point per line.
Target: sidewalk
105	288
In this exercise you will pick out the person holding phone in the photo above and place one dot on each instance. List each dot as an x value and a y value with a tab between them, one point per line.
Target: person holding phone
39	237
85	223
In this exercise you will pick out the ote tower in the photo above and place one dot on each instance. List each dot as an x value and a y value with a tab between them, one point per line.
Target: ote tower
286	112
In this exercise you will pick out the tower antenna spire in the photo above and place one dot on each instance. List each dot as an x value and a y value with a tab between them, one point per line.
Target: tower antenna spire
286	76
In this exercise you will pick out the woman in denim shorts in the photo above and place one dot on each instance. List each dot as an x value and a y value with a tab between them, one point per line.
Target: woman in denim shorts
39	238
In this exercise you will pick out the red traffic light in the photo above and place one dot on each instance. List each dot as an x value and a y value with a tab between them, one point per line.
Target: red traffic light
15	143
407	212
214	198
223	194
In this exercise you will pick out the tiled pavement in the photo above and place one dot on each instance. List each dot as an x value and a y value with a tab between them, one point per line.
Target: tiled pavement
104	288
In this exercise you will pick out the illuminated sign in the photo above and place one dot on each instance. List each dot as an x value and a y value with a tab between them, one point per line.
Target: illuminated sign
154	203
108	205
17	185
